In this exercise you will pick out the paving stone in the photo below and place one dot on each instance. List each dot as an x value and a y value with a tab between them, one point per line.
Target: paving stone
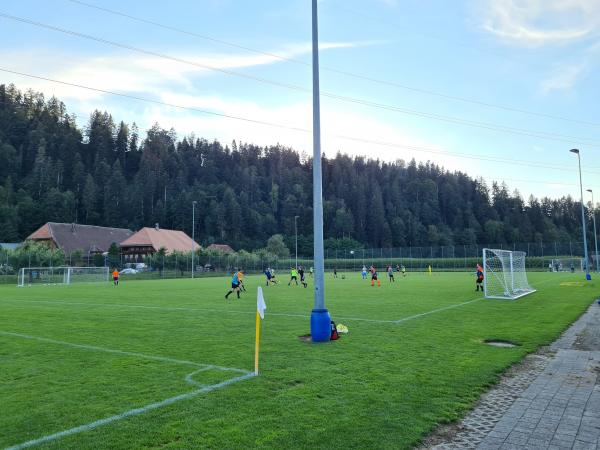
561	444
554	404
580	445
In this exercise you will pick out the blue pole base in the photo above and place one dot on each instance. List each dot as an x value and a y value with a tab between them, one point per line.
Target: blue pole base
320	325
588	277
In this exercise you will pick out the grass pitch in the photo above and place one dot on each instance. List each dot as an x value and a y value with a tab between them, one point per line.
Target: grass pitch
175	352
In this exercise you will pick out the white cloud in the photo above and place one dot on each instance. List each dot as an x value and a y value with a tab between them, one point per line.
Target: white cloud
564	78
335	122
173	83
539	22
138	73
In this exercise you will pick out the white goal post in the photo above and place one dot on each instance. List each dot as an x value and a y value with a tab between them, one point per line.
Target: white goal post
504	275
568	265
29	276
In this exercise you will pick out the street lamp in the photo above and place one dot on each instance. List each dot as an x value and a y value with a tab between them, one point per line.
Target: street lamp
296	231
320	320
595	235
585	252
193	236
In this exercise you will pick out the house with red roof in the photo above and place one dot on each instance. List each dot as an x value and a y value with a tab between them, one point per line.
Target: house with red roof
148	241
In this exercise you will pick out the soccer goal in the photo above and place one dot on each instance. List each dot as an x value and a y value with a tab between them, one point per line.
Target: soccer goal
568	265
504	274
61	275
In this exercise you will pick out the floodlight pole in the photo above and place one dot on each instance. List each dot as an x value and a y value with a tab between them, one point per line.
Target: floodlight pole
595	234
320	321
296	232
585	251
193	236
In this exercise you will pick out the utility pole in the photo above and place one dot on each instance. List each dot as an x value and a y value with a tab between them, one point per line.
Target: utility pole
320	321
585	250
193	236
595	234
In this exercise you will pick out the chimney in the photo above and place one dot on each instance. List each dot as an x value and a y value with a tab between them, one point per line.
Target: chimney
156	227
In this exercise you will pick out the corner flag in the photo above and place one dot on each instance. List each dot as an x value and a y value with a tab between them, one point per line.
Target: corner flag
260	303
260	314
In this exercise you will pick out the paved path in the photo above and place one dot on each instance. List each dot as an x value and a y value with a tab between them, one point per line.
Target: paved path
560	407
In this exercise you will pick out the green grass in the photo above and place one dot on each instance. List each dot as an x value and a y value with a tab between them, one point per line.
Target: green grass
384	385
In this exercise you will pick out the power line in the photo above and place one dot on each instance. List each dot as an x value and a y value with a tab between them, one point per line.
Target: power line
332	69
449	119
158	102
417	149
470	156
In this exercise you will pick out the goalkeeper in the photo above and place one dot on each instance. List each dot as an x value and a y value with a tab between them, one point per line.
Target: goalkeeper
479	279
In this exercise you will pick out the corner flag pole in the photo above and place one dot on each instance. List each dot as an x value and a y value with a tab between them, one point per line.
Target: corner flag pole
260	314
257	343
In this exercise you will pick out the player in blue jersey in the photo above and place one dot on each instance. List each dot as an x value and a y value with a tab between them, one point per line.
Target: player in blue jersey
235	285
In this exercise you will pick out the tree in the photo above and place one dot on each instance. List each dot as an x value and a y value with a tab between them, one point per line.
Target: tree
115	175
89	199
114	255
276	246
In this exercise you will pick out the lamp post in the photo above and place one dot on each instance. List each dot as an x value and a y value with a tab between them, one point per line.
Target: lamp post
193	236
585	251
296	232
595	235
320	321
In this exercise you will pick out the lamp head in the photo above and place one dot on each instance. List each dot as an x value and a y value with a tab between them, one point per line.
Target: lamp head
574	150
590	191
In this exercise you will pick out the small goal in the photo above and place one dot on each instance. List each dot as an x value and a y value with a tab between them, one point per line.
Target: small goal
504	274
29	276
568	265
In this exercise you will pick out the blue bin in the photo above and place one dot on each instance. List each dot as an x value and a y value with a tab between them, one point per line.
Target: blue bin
320	325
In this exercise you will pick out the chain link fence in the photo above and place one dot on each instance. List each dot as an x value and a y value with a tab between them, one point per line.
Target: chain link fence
207	263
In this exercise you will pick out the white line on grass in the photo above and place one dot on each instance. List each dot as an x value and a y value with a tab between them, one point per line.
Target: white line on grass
232	311
131	412
416	316
137	411
118	352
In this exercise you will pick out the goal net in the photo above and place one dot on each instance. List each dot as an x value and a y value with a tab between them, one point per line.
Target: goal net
61	275
504	274
568	265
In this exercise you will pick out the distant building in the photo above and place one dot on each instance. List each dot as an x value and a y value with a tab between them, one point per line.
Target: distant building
71	237
10	245
148	241
223	248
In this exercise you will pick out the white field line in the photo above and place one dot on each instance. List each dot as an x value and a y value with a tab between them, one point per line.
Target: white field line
131	412
416	316
231	311
175	308
119	352
137	411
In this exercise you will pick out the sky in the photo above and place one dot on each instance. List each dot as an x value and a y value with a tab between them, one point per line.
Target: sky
499	89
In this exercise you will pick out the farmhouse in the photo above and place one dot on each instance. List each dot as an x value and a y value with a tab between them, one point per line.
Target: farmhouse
148	241
71	237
